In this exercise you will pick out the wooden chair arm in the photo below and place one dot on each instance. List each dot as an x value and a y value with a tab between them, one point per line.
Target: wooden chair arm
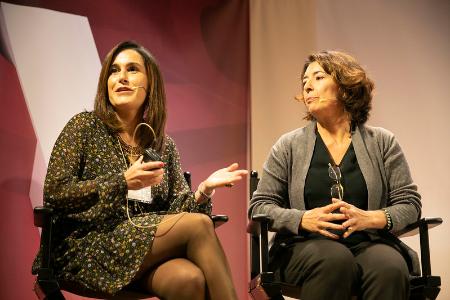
219	220
254	226
414	228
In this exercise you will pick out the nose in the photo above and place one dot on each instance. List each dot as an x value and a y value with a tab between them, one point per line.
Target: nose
123	77
307	87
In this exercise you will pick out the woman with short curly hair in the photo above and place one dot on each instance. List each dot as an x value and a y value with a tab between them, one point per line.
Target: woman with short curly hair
335	189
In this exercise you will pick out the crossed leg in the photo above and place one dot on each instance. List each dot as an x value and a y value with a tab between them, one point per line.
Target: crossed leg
189	245
176	278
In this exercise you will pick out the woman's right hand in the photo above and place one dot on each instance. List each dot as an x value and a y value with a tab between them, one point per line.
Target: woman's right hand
320	220
141	175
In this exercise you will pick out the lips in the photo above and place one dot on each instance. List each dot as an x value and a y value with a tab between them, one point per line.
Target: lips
311	99
123	89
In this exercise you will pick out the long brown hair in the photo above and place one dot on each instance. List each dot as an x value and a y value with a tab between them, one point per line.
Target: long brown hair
154	108
355	87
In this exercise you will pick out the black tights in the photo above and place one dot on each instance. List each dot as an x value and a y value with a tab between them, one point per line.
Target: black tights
186	261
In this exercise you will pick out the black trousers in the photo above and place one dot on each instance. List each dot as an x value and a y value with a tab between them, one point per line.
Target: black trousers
327	269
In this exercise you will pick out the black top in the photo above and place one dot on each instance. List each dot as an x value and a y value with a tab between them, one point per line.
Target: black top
318	183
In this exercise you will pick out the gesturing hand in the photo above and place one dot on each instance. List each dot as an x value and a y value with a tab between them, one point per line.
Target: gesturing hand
320	220
141	175
223	177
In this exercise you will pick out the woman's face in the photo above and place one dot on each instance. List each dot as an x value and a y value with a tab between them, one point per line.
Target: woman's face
320	91
127	82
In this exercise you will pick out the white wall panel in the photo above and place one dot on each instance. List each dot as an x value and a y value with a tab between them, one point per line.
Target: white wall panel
58	67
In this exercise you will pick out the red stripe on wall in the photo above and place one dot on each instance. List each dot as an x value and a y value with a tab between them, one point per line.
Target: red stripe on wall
18	236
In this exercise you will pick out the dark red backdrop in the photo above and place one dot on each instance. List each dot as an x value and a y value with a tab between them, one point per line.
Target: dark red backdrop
202	48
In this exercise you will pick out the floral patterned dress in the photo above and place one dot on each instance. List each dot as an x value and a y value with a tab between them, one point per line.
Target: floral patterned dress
93	243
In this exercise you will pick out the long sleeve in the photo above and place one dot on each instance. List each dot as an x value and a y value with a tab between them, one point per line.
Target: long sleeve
403	200
272	195
72	185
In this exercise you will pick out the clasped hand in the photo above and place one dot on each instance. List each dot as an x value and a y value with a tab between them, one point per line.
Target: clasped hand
320	220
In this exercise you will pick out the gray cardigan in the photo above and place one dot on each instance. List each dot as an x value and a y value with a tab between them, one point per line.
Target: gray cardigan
386	173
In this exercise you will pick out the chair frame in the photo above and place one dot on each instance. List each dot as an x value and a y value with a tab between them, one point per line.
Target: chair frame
263	286
47	286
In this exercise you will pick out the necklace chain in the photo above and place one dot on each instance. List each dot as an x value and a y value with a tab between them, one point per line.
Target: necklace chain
132	152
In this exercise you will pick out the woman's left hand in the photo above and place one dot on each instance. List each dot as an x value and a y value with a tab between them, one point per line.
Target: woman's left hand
223	177
359	219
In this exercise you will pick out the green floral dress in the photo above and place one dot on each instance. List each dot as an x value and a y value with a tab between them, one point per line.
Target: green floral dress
93	243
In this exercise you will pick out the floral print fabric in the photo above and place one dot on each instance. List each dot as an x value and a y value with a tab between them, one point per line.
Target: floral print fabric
93	242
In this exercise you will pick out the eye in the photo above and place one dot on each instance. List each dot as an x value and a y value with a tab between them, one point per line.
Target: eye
113	70
132	69
320	77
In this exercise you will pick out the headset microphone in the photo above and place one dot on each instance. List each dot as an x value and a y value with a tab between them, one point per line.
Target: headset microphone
325	100
299	98
139	87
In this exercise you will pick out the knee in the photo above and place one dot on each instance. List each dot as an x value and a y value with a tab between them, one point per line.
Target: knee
189	284
390	272
385	280
199	223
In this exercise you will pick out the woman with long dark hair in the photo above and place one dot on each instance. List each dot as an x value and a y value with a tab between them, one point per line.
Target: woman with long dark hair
123	220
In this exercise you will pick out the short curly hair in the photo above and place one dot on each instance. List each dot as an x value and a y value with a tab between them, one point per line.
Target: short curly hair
355	87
